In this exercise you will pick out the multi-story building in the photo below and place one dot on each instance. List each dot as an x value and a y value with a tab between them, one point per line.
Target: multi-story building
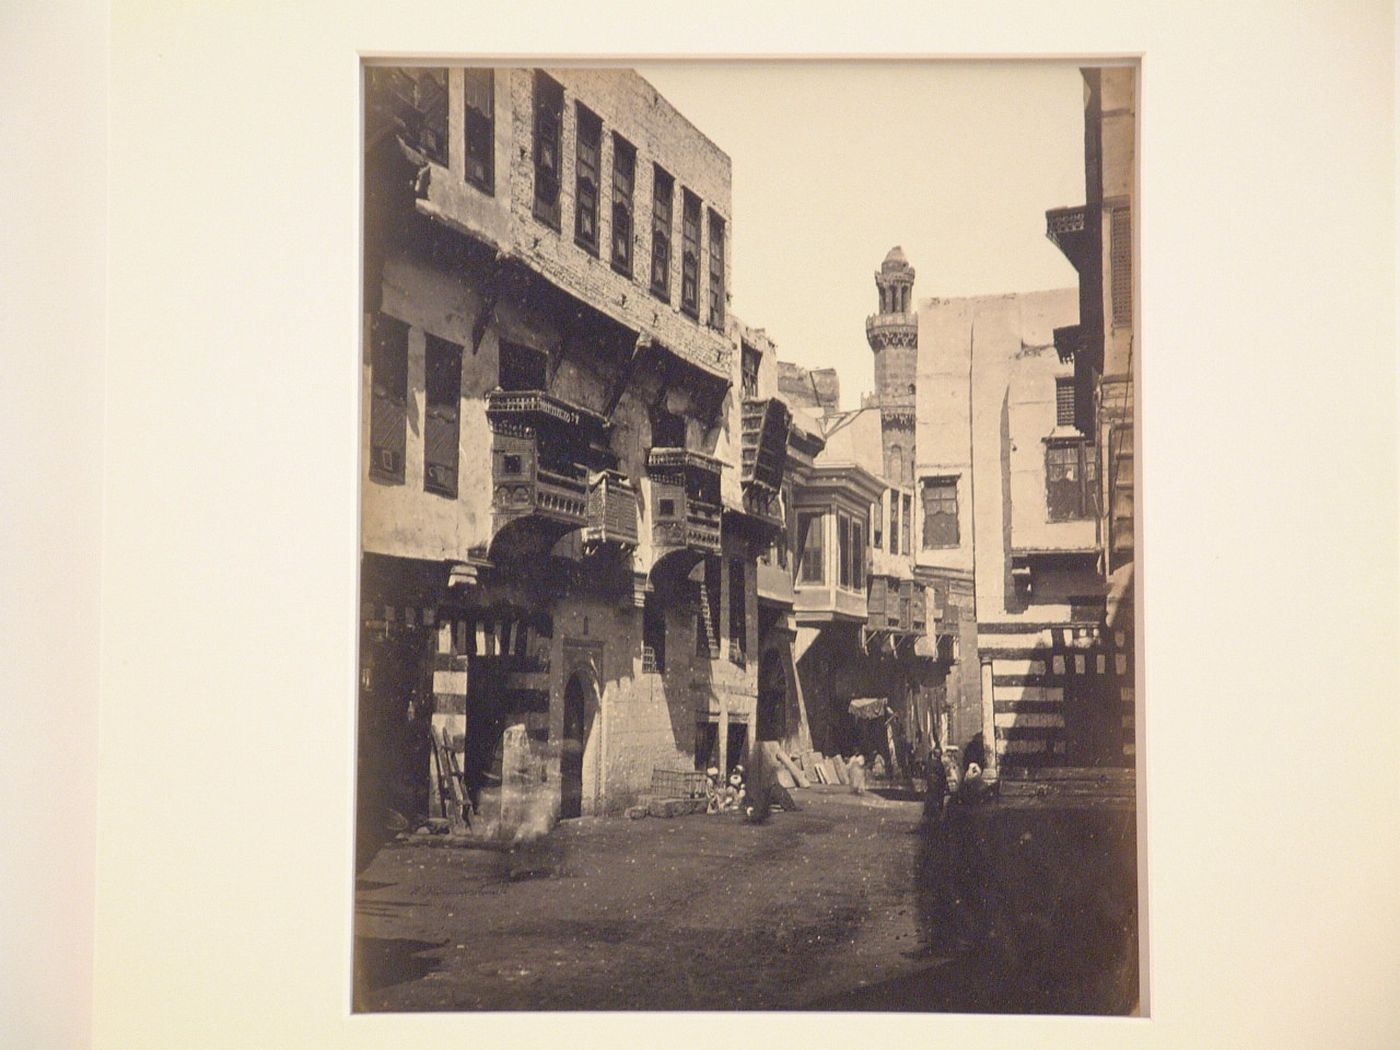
1097	238
1008	495
560	532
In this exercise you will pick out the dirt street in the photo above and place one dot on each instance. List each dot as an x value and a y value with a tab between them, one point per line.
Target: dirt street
826	908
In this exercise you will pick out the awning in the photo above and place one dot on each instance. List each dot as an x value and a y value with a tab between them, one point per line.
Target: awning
869	707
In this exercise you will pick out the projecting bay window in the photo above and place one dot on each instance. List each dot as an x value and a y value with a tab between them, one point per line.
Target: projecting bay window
850	552
661	219
549	129
716	272
624	176
480	97
940	504
1071	480
811	547
590	136
441	427
690	254
388	417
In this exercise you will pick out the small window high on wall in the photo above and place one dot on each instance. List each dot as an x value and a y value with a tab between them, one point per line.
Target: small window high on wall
624	176
589	146
940	505
480	97
388	420
716	272
1064	401
549	133
690	254
661	226
441	428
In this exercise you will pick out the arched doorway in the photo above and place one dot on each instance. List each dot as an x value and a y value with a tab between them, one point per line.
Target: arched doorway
580	704
772	698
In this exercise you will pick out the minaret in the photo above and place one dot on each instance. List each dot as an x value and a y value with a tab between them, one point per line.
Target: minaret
893	334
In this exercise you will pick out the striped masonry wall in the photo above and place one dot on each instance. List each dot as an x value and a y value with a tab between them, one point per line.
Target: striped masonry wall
1062	693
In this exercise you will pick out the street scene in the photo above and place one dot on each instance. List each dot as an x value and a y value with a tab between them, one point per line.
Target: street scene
707	667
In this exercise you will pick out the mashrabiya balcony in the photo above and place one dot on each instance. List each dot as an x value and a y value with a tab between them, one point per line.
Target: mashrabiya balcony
685	500
1072	231
541	450
897	606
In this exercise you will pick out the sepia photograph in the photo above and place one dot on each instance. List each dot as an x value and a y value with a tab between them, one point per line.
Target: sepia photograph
747	598
642	524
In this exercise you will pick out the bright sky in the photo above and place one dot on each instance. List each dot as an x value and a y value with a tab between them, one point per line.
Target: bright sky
835	163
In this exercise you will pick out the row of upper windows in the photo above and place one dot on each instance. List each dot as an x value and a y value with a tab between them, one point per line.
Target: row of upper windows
549	115
421	97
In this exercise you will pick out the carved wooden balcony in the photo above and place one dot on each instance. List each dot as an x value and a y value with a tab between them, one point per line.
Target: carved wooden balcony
765	441
612	511
685	505
541	450
1074	231
897	606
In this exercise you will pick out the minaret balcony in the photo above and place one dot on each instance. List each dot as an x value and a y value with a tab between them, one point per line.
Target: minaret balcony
900	329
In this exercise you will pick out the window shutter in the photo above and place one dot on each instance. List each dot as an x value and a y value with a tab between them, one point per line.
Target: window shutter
1121	265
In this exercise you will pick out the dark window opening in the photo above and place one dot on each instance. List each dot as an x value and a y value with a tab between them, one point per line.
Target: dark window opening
810	546
443	381
707	744
549	126
940	500
857	555
512	465
666	508
738	613
690	254
590	134
667	430
388	424
624	176
480	96
843	550
653	635
522	368
750	363
906	534
1071	480
1064	402
716	272
661	212
893	522
877	524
